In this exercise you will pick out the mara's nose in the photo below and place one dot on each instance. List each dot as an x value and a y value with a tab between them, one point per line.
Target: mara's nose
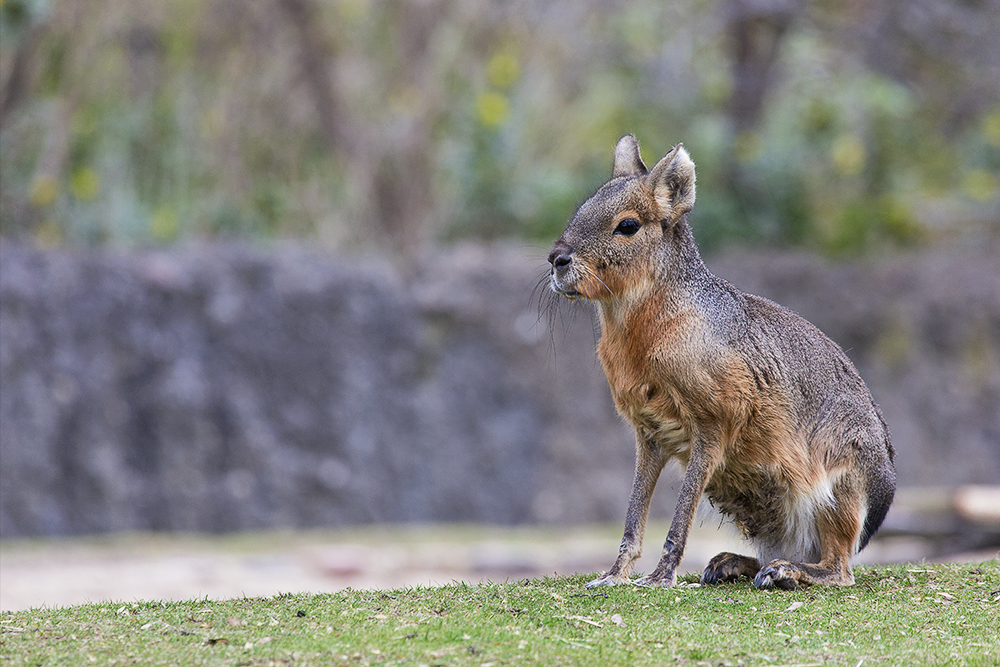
559	259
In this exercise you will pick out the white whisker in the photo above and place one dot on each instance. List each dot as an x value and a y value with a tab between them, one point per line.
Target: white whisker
593	274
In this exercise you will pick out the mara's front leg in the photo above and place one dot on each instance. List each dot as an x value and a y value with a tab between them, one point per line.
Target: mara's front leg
649	462
703	461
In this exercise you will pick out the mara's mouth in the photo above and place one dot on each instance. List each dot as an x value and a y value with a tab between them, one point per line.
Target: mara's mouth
572	295
563	290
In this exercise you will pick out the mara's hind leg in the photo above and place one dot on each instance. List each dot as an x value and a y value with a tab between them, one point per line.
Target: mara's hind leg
839	528
729	567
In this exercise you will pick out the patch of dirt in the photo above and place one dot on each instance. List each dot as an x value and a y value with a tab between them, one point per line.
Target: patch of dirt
127	568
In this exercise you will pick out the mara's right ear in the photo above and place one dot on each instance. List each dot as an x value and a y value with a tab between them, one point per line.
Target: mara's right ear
672	183
627	160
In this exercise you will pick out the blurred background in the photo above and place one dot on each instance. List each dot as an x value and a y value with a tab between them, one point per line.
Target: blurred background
275	265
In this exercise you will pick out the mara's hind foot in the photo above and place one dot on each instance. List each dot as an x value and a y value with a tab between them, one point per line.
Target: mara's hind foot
788	575
609	580
729	567
666	580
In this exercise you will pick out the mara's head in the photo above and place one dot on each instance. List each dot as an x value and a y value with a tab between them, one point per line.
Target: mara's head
611	243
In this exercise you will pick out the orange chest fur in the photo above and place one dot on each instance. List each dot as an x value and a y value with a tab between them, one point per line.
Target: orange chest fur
644	360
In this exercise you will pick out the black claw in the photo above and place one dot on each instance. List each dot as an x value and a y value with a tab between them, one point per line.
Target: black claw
712	576
765	578
769	579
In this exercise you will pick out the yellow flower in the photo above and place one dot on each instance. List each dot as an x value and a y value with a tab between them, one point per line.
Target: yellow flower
84	184
979	184
493	108
354	10
848	155
163	224
503	70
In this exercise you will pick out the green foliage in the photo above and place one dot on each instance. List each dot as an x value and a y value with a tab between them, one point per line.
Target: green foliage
158	122
908	614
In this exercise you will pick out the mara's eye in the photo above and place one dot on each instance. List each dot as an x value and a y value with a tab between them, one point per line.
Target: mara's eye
627	227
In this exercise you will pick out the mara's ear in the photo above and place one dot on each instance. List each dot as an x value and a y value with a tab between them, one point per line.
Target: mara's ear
627	160
672	182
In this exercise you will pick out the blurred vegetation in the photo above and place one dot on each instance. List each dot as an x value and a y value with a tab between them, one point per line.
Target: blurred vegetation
398	123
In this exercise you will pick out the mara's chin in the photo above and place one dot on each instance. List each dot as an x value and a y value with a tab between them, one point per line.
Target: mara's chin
570	294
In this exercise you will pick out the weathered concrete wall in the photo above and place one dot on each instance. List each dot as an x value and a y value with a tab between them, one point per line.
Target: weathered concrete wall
228	388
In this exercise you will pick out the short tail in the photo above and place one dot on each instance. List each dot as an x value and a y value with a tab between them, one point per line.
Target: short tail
880	494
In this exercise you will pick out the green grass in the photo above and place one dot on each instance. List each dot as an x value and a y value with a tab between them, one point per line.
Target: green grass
899	615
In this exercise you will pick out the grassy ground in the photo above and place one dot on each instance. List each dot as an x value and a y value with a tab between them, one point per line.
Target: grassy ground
900	615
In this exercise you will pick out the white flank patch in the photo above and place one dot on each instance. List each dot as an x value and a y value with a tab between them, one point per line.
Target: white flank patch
801	542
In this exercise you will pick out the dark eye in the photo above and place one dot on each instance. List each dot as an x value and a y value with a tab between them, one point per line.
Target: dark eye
627	227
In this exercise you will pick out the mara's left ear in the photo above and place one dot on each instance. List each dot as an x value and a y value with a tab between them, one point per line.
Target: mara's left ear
672	183
627	160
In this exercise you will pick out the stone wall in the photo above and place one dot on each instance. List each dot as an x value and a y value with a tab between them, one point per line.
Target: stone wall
226	388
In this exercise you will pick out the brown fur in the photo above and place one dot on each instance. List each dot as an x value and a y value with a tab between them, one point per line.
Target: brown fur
768	416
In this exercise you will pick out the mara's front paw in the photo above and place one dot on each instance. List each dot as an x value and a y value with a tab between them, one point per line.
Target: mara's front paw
729	567
777	574
609	580
663	580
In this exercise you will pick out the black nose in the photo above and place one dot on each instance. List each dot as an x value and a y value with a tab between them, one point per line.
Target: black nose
559	260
